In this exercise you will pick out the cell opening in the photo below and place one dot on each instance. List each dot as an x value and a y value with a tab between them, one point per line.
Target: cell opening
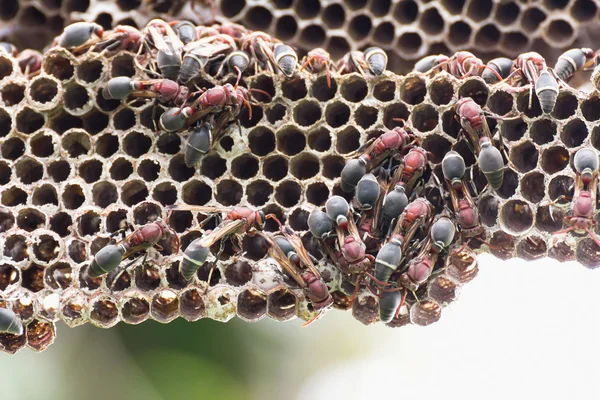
258	18
59	171
75	97
9	275
438	146
354	89
500	102
294	89
532	187
76	143
43	90
281	305
120	169
338	47
321	91
441	92
46	248
516	217
12	148
560	31
394	114
238	273
229	192
63	122
42	145
334	16
348	140
12	94
509	184
213	166
124	119
561	189
45	194
286	27
122	65
232	8
532	19
460	33
5	123
360	27
55	65
30	219
134	192
252	304
384	33
7	220
488	210
276	113
304	166
28	121
409	42
9	9
543	131
475	89
90	70
319	139
28	170
307	113
413	90
480	10
507	13
168	143
259	192
15	248
244	166
13	196
33	278
291	141
523	105
136	144
61	224
574	133
566	105
77	251
191	305
584	10
337	114
424	118
406	11
365	116
288	193
384	91
332	166
431	21
275	168
204	272
104	194
524	156
149	170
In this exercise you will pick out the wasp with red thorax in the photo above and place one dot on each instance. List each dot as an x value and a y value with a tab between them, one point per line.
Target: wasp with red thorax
164	90
110	256
465	209
30	62
416	216
319	60
202	53
373	155
237	221
372	59
573	60
472	120
584	201
260	46
411	169
461	65
121	38
291	255
80	36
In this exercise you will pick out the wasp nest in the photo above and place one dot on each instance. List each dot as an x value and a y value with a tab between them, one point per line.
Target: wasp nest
75	168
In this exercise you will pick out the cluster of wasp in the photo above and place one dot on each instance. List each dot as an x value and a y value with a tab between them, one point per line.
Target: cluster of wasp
389	238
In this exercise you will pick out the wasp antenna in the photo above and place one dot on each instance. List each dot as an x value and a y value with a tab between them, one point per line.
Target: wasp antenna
401	303
274	217
306	63
261	92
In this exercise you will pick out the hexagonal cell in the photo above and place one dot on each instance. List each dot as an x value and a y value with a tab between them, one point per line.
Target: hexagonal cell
15	248
438	146
6	124
319	139
136	144
164	306
354	89
409	43
532	248
334	16
524	156
443	290
516	217
42	145
90	71
95	121
304	166
462	265
366	116
523	105
275	167
76	143
286	27
384	91
348	140
426	312
7	220
40	334
560	189
46	248
12	148
134	192
281	305
43	90
261	141
322	90
366	309
135	310
424	118
532	18
107	145
213	166
543	131
77	251
288	193
255	247
292	141
441	91
488	36
12	94
29	170
91	170
554	159
476	89
5	173
75	97
207	270
62	122
123	65
58	66
337	114
566	105
124	119
229	192
459	34
146	212
191	305
33	278
13	196
549	219
394	114
413	90
500	102
294	89
59	276
258	18
502	245
588	253
560	31
532	187
30	219
252	304
104	312
244	166
574	133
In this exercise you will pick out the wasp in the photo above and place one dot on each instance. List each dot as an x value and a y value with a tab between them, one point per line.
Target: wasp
318	60
30	62
571	61
10	323
502	66
429	63
411	169
472	120
373	59
201	52
80	35
461	65
260	46
237	221
122	37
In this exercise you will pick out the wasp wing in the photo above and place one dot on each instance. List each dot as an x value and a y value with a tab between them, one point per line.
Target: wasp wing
225	229
277	254
202	209
298	246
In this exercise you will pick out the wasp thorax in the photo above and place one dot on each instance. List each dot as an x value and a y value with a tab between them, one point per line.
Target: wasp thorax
319	223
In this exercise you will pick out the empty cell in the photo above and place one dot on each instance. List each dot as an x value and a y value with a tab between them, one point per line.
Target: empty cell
356	4
292	141
136	144
323	91
406	11
509	184
213	166
332	166
460	33
12	148
59	170
134	192
313	36
281	305
424	118
308	9
30	219
532	187
334	16
232	8
566	105
229	192
365	116
29	170
394	115
515	41
9	275
252	304
180	221
431	21
244	166
556	4
319	139
337	47
75	97
149	170
150	117
106	105
441	92
516	216
45	194
259	192
574	133
196	192
500	102
337	114
304	166
384	91
15	248
488	210
90	71
95	121
384	33
413	90
438	146
524	156
584	10
77	251
9	9
532	18
168	143
523	105
5	123
507	13
354	89
73	196
43	90
12	94
265	84
275	167
360	27
348	140
57	66
7	220
479	10
286	27
76	143
121	169
559	31
62	122
124	119
258	18
276	113
29	121
488	36
307	113
42	145
104	194
238	273
561	189
475	89
122	65
543	131
409	42
294	89
88	223
288	193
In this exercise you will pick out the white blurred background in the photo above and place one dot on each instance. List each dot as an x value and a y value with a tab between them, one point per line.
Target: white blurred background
520	330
